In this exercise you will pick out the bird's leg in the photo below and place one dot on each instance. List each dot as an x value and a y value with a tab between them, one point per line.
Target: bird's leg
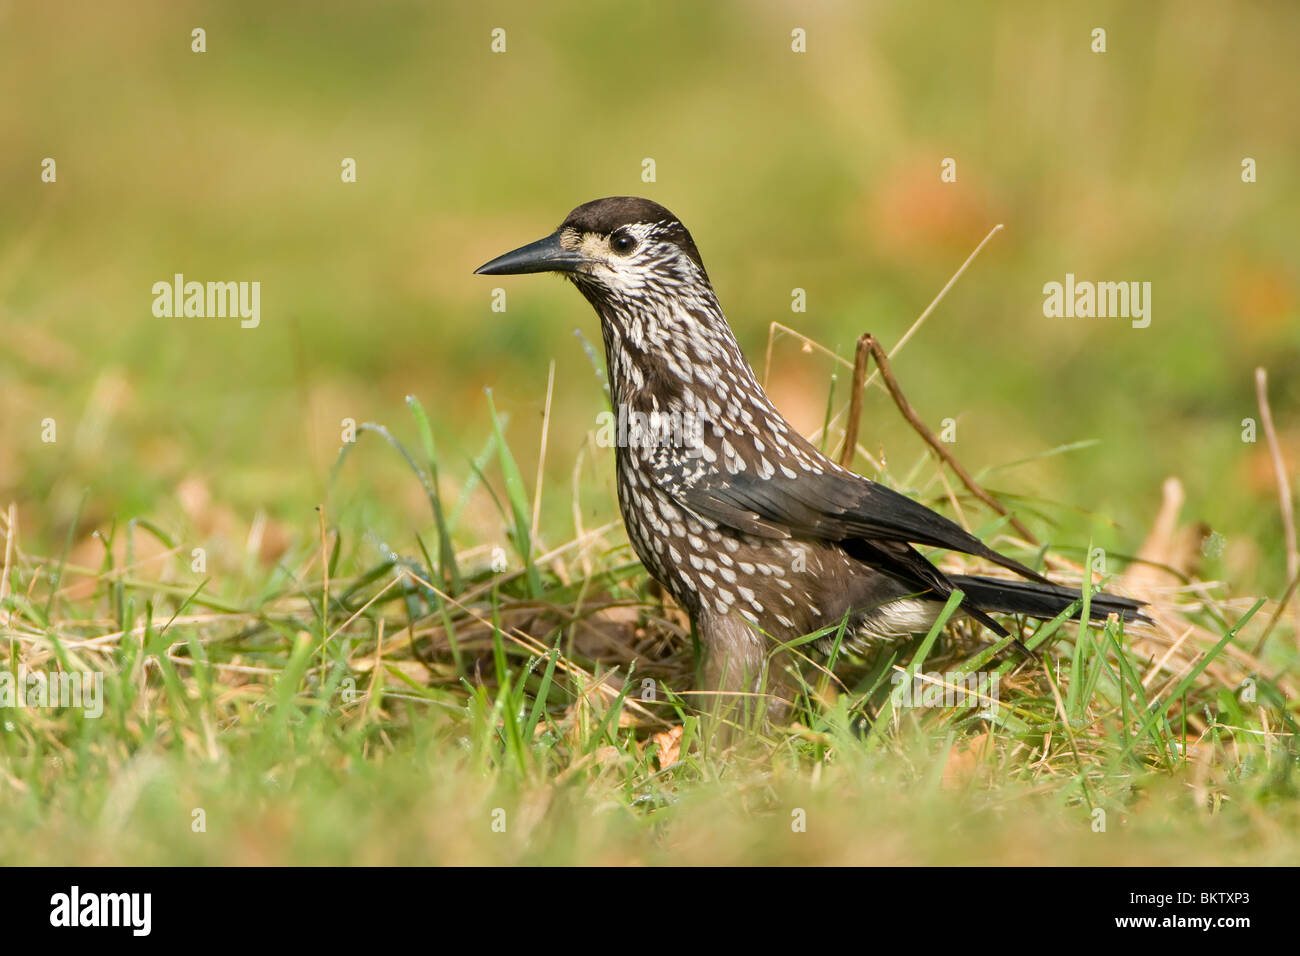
738	668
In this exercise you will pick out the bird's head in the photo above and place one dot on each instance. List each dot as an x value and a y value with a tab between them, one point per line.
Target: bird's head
613	248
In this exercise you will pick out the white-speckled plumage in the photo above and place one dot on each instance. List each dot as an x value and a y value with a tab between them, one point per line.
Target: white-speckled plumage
751	529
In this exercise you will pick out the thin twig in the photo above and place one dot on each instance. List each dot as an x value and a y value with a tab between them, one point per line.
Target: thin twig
891	383
325	584
541	454
10	531
855	403
898	346
376	674
860	382
1283	485
1277	614
810	345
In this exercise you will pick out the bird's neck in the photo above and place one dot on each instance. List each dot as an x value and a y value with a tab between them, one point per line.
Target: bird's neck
680	356
659	349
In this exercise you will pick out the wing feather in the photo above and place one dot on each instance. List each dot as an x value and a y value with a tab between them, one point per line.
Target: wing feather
834	506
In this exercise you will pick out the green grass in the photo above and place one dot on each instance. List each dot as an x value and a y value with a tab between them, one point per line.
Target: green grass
394	713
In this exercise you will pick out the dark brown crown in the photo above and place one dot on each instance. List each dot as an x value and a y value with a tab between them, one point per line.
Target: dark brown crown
603	216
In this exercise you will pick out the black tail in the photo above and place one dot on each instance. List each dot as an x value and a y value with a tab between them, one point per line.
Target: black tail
1006	596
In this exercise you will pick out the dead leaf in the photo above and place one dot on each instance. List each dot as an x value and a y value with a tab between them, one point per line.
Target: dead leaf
964	761
669	746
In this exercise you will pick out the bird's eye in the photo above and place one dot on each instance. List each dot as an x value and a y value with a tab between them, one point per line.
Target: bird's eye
622	243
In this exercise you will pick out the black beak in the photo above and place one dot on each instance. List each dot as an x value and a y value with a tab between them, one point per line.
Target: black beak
544	255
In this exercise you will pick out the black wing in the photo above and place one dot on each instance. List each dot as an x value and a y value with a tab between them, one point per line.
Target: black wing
834	505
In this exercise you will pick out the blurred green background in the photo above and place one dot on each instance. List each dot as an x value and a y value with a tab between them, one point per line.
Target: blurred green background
818	170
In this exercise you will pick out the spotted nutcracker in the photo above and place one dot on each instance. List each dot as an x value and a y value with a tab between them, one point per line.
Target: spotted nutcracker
752	530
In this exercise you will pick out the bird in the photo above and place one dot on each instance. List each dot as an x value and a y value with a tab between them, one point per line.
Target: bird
755	533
